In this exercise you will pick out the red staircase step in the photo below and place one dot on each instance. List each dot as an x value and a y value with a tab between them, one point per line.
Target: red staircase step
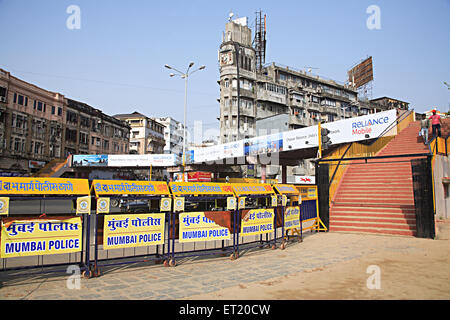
377	196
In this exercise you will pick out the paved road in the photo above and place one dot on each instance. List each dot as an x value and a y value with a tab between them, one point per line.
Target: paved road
193	276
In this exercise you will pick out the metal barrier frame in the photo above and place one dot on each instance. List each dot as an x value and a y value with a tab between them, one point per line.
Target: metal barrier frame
94	266
82	263
172	254
97	263
257	243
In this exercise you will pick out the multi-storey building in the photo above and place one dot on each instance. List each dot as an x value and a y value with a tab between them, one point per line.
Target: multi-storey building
37	126
275	89
146	136
173	135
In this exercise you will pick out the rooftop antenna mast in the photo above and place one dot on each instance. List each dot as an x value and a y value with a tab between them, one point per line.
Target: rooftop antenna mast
259	43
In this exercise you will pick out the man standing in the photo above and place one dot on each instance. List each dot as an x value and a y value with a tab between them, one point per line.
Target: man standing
436	123
424	125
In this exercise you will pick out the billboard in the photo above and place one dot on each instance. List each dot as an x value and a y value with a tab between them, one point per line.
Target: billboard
90	160
124	160
361	128
361	74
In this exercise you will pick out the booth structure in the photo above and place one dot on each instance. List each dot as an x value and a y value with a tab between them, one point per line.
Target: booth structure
257	204
140	222
203	212
310	208
38	219
114	222
290	199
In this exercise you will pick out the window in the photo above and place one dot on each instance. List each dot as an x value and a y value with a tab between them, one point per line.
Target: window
17	144
84	121
59	111
37	147
298	97
20	100
314	99
226	83
19	121
84	138
314	115
70	116
3	92
15	98
71	135
330	117
53	109
329	103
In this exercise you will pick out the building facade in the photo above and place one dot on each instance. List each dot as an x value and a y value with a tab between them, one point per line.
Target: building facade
173	135
305	98
146	136
37	126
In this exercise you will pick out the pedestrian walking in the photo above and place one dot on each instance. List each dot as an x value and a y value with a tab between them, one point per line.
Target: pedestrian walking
436	124
424	127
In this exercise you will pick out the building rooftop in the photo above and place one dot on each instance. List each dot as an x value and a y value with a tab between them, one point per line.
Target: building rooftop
130	115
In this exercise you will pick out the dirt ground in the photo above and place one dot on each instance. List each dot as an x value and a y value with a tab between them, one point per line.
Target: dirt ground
420	272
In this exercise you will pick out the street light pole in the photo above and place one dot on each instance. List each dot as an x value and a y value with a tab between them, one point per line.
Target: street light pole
184	76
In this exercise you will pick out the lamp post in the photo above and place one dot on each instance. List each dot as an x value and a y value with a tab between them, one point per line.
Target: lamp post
185	76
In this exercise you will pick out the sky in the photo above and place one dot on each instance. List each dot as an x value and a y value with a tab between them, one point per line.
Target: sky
115	60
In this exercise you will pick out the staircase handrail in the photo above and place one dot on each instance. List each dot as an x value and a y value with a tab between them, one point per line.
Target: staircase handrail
396	122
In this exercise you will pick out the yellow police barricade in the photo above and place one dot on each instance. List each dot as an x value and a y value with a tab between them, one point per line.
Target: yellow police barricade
38	219
204	213
130	217
310	208
290	213
257	214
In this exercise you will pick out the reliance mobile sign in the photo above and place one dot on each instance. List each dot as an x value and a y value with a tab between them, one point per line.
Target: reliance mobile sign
362	128
365	127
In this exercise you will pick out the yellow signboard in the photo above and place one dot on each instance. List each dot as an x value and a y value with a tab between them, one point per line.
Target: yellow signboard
165	204
4	206
291	218
252	189
30	237
286	189
307	192
195	226
133	230
257	221
178	204
117	187
84	205
284	200
39	186
200	188
274	201
102	205
241	204
231	203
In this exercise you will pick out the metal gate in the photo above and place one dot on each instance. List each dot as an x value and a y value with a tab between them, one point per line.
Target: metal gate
323	190
423	197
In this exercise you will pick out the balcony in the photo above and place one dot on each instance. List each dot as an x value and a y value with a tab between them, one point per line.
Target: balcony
266	95
298	120
313	106
299	104
19	131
